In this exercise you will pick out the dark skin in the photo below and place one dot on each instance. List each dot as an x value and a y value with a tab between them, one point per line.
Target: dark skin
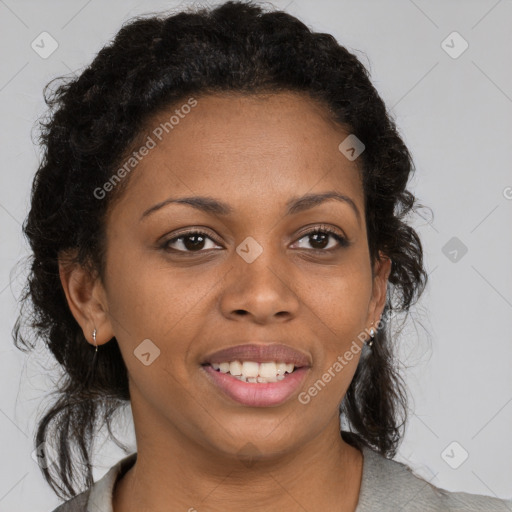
254	153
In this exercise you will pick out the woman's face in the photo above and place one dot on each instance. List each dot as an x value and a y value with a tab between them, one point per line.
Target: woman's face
253	277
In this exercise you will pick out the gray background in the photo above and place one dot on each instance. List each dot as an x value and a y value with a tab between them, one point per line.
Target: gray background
455	115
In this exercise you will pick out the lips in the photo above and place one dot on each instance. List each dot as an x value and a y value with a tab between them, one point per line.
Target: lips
259	353
271	394
254	392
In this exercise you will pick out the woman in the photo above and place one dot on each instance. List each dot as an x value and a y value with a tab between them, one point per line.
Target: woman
219	239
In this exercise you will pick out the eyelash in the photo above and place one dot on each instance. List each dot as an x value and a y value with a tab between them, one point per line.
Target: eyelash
342	241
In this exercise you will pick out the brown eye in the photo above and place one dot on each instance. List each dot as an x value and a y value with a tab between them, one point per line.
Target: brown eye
191	241
320	239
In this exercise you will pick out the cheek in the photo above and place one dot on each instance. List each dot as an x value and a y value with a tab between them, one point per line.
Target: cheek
340	306
152	301
149	297
152	322
337	301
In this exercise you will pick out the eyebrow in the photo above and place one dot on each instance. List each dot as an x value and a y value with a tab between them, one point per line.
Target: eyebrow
219	208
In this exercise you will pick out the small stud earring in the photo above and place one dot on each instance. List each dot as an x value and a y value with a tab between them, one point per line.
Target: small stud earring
94	339
372	336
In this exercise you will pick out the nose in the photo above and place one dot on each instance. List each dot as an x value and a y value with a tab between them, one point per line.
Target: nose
261	291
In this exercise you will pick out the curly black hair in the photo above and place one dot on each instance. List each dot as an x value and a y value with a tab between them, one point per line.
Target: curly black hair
93	121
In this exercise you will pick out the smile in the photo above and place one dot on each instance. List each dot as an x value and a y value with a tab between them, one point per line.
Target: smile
253	389
251	371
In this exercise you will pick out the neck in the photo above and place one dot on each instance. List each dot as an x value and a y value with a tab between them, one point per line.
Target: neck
323	473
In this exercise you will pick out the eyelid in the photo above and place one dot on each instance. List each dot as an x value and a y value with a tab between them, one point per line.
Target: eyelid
337	234
205	232
340	237
193	231
321	227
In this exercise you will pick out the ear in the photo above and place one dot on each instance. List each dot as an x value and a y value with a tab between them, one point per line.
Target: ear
382	269
86	299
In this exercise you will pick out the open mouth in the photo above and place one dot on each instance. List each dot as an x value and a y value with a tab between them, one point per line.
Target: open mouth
254	372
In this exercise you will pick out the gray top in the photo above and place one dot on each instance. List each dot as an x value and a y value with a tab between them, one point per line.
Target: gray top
386	486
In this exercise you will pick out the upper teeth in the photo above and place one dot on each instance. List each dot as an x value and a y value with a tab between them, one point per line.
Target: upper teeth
251	371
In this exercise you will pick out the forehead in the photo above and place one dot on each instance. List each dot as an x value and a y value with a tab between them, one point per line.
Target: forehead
245	147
